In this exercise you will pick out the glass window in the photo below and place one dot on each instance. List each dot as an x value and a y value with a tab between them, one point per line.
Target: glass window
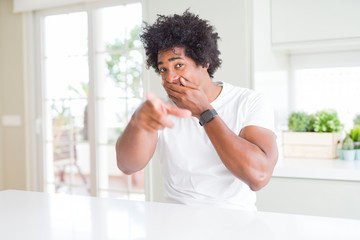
120	91
328	88
65	99
116	57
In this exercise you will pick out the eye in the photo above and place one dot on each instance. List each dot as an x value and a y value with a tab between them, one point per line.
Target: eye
179	65
162	70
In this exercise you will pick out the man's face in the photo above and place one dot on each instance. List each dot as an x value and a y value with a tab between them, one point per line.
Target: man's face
173	64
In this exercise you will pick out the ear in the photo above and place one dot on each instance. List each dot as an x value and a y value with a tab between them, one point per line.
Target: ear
207	66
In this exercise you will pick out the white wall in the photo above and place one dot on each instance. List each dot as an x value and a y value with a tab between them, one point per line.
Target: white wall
270	68
231	22
13	156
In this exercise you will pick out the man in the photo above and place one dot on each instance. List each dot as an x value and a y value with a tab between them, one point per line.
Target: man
222	160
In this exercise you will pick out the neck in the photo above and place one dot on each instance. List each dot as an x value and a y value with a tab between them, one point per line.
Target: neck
212	90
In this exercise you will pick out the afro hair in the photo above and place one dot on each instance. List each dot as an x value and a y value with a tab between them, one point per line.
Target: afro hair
196	35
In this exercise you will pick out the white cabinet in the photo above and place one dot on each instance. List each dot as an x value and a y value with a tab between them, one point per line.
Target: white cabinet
330	198
315	23
323	187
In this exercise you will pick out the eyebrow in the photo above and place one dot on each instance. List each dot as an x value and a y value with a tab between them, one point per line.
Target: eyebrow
170	60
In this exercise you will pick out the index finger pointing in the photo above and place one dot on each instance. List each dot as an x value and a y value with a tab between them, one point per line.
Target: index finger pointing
153	99
167	108
156	102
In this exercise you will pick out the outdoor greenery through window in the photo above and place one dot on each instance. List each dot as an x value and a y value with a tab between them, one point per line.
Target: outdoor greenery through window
92	64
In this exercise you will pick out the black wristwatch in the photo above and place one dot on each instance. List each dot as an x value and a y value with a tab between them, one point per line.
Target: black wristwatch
207	116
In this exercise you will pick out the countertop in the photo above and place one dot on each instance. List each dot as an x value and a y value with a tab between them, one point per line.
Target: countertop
42	216
328	169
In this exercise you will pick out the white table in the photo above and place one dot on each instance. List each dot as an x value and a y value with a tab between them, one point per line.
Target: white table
41	216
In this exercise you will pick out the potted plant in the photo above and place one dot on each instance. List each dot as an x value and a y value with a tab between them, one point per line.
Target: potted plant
355	136
312	135
327	121
347	152
300	122
357	120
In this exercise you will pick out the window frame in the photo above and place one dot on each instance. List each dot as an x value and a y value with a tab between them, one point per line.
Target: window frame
37	164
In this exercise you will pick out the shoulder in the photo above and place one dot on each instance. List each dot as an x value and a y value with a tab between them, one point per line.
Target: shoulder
244	95
253	106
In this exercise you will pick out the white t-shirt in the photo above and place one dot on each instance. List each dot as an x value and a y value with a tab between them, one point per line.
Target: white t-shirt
193	172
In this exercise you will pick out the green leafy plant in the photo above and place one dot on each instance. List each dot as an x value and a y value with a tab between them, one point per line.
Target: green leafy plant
327	121
357	120
348	143
61	113
300	122
355	136
125	69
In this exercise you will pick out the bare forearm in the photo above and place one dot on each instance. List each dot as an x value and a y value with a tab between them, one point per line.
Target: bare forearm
244	159
134	148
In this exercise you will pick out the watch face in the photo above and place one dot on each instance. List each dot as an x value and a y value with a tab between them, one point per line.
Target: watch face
207	116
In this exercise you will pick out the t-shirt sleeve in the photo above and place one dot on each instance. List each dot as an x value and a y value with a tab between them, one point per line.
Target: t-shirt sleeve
259	112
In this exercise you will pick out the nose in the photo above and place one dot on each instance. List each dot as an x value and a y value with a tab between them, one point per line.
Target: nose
171	76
